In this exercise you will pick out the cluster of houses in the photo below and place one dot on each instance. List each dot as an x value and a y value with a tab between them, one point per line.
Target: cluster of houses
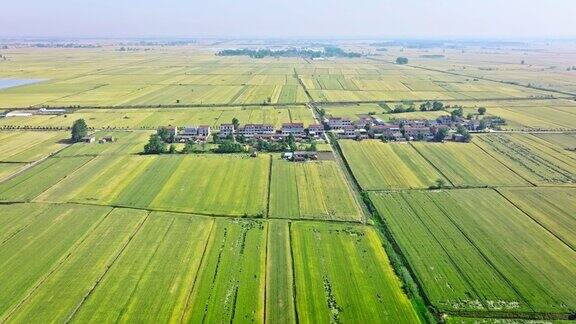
248	131
366	126
369	126
267	131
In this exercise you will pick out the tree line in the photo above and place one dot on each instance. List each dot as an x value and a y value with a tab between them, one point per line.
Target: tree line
330	51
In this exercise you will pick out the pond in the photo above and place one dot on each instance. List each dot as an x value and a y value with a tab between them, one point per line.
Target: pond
10	83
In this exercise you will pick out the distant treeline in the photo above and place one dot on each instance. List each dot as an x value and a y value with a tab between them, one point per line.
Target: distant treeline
293	52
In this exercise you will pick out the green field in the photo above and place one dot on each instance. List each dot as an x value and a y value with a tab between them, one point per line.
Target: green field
482	254
26	229
533	158
27	185
279	274
30	146
152	118
553	208
163	258
311	190
343	275
379	166
125	143
465	164
566	141
231	185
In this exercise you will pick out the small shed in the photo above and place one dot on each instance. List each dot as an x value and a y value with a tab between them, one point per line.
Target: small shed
88	139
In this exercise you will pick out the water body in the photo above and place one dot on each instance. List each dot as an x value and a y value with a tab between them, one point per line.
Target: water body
10	83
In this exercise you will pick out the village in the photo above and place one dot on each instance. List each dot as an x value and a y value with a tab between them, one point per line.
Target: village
365	127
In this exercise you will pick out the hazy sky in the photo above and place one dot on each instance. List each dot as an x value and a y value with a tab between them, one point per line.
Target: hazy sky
289	18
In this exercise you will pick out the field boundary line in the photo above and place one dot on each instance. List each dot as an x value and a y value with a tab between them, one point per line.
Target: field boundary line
432	164
115	257
238	94
209	241
58	264
535	220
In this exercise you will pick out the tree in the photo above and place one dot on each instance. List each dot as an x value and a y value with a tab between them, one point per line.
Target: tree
457	113
440	183
401	60
465	133
291	141
437	105
155	145
172	149
440	134
164	134
235	122
481	110
425	106
229	147
188	148
79	130
312	148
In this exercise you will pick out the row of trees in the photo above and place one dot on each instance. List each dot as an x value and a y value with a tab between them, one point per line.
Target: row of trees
432	106
329	51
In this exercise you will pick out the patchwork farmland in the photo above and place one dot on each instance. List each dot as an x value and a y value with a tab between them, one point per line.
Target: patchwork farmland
370	230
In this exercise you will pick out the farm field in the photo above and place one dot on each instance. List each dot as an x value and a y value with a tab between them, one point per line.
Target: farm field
8	169
279	274
125	265
553	208
26	229
31	183
566	141
147	118
163	258
233	185
465	164
379	166
352	111
539	161
30	146
311	190
482	253
125	143
365	290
